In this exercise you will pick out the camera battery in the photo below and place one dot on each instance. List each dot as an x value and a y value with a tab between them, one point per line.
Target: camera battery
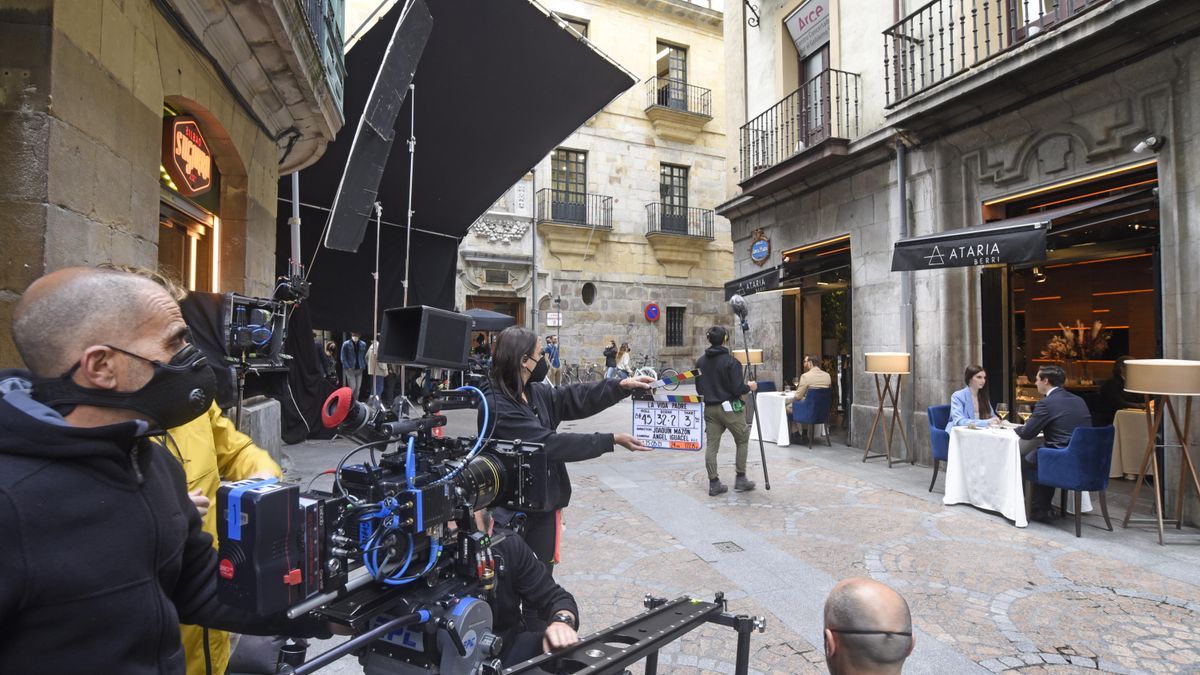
263	566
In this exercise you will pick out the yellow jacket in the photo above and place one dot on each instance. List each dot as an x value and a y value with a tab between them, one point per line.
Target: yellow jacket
212	450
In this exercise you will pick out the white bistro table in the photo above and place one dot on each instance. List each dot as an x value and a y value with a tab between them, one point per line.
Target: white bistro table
984	469
772	412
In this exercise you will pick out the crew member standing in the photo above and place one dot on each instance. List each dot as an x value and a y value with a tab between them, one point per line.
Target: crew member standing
722	386
521	406
354	362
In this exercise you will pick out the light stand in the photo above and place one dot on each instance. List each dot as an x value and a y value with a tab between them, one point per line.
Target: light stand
1164	378
742	311
412	151
887	364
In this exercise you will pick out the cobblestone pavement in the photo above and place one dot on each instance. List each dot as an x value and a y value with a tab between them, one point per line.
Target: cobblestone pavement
985	595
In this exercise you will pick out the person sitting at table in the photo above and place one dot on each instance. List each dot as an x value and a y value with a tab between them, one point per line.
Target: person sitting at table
971	405
1055	417
812	378
1113	396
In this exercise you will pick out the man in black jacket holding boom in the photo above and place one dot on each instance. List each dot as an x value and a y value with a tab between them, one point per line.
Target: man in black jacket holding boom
722	386
103	555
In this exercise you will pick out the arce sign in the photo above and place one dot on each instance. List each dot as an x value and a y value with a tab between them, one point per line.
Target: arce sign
186	156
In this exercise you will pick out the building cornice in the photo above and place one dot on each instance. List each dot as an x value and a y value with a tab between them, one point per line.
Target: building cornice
265	51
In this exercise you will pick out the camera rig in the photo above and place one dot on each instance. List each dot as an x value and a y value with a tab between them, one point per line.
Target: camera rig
392	551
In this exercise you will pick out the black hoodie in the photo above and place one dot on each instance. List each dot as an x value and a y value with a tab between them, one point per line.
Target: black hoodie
102	555
720	377
536	423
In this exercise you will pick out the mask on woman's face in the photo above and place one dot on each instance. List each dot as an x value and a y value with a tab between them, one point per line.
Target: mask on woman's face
539	370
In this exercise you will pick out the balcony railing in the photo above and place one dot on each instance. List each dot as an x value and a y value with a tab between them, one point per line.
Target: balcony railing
678	95
827	106
325	20
945	37
574	208
681	220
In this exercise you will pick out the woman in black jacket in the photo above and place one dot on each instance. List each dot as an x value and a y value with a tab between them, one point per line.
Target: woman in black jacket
523	407
610	359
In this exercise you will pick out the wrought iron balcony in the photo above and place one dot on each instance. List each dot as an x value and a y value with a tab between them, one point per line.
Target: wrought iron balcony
678	95
827	106
325	19
943	38
681	220
574	208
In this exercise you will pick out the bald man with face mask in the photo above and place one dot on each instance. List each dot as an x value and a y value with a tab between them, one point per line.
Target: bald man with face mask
868	629
104	554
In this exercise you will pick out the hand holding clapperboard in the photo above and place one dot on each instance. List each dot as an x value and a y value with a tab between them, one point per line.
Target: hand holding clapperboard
669	422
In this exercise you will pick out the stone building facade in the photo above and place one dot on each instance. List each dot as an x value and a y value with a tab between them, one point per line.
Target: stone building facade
1089	100
610	238
87	90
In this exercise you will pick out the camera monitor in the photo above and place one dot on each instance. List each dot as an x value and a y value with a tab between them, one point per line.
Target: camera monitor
425	336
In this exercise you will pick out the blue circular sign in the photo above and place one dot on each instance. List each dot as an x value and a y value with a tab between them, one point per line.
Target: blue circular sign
652	312
760	250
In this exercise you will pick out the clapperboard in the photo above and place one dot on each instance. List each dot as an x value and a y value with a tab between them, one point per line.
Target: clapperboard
669	422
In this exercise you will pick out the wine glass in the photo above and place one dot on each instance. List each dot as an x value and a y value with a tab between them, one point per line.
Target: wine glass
1024	412
795	383
1002	411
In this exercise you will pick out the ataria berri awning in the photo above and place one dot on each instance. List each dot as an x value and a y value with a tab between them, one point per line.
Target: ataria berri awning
764	280
1014	240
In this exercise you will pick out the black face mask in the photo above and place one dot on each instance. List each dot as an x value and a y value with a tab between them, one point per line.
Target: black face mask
539	371
178	392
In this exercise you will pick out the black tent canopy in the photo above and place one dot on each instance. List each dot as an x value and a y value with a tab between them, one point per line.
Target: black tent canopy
499	84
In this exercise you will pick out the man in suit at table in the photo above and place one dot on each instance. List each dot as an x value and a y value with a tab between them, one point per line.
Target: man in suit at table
812	378
1055	417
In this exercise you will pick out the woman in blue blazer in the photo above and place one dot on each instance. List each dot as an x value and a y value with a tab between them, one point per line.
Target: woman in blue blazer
966	403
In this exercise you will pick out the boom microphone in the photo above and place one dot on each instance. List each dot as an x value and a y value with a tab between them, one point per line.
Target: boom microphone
739	306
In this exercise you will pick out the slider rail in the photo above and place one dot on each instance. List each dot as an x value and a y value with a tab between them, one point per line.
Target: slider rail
640	637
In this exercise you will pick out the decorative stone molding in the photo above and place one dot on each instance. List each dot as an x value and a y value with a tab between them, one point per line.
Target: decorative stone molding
677	125
571	244
500	229
267	51
678	254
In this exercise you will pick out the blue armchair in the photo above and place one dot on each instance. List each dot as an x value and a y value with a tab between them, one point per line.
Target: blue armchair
1081	466
766	385
812	410
939	438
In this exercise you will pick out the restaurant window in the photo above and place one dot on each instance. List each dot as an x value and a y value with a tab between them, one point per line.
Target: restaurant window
673	190
1096	296
568	185
675	326
670	63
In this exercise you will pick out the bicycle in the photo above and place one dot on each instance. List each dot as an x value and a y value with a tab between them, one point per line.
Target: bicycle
644	369
572	374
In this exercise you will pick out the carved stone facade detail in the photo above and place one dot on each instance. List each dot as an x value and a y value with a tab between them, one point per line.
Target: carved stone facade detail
499	229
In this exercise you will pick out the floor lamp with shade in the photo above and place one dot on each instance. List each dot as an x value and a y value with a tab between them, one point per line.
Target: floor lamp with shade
884	366
1164	378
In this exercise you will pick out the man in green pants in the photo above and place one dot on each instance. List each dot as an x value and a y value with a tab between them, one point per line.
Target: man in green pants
722	386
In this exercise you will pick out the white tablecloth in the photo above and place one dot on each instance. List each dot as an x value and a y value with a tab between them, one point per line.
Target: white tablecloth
772	412
1129	443
984	469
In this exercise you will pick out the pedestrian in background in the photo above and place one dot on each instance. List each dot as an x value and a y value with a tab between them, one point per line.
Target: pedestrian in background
354	362
552	356
722	386
375	370
610	359
624	367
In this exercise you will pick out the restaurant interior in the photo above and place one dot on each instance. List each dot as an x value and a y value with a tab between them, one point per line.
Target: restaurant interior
1096	296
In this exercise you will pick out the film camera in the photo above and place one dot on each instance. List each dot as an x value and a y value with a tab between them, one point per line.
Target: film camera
393	545
392	551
